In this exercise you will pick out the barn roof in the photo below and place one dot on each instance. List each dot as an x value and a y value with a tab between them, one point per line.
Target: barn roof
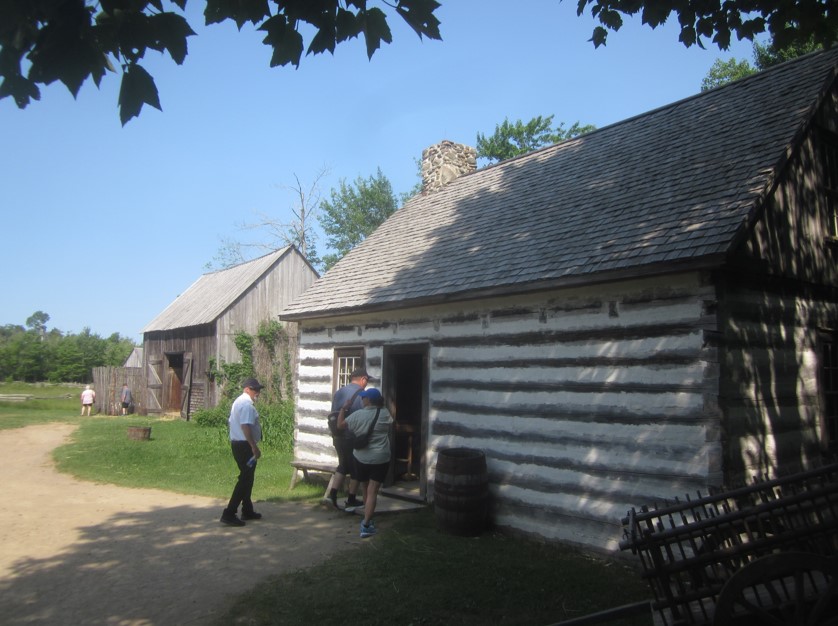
671	187
213	293
135	359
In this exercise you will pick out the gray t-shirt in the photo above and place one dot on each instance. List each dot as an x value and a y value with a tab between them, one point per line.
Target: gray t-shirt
378	450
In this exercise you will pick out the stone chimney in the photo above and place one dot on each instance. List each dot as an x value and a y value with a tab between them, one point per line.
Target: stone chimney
445	161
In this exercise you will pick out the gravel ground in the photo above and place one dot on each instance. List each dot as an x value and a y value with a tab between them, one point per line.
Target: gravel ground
75	552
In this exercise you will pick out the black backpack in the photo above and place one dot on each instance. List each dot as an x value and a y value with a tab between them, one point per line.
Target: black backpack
332	418
361	441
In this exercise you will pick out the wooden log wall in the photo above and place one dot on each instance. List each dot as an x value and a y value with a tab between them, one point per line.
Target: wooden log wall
586	402
769	382
777	294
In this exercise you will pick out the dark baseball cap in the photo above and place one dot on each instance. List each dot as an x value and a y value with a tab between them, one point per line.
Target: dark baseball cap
253	384
359	372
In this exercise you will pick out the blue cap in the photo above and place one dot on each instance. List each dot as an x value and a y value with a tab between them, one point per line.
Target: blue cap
372	393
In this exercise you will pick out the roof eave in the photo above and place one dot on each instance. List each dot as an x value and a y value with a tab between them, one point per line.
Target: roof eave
704	263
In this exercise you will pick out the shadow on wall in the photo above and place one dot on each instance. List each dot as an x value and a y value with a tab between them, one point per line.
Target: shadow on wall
769	384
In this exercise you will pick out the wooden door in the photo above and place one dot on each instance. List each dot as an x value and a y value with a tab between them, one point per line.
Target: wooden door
154	386
186	385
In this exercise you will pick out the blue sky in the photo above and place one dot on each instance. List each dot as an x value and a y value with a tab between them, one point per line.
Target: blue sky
104	225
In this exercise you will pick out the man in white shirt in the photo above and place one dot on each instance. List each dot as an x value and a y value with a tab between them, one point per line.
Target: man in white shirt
245	435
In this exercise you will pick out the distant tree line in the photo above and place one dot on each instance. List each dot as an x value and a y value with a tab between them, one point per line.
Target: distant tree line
34	354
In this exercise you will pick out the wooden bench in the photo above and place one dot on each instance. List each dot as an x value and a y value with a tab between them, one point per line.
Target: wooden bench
309	466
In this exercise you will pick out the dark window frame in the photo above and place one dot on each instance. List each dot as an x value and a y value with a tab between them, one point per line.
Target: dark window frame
345	360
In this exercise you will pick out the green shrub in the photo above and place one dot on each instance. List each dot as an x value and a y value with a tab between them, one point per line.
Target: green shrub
278	425
277	422
215	417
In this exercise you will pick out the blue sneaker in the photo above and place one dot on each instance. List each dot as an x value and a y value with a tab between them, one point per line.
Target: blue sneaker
367	530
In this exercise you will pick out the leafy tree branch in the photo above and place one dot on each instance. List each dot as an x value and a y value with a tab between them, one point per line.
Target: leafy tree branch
786	22
72	41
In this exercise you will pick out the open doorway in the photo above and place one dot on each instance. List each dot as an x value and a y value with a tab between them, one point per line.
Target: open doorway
174	382
405	382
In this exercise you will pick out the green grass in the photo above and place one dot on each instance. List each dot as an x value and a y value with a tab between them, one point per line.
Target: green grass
411	574
51	403
180	456
49	391
415	574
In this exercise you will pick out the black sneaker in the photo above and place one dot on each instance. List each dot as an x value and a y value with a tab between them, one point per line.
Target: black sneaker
253	515
350	506
333	498
231	520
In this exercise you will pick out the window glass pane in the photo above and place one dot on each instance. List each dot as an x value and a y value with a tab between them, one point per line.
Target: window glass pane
346	360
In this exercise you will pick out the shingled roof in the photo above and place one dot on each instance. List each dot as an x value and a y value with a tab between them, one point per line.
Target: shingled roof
213	293
667	189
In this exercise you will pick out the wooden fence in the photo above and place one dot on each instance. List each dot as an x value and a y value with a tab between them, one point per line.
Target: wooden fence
107	383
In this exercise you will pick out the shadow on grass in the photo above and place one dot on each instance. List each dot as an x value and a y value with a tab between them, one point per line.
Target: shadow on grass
411	573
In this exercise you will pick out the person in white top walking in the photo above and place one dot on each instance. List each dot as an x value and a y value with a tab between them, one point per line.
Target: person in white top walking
87	398
245	435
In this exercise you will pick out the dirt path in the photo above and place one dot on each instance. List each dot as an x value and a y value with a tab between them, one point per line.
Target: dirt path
74	552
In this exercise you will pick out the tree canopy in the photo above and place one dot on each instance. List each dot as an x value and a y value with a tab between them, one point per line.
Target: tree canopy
765	55
74	40
354	211
513	139
787	22
723	72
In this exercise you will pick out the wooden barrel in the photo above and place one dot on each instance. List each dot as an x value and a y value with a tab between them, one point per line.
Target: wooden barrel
461	491
139	433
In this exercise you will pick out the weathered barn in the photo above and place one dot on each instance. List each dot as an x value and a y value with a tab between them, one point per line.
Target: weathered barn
201	324
626	316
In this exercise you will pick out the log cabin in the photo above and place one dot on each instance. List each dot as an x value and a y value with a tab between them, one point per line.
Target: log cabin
633	314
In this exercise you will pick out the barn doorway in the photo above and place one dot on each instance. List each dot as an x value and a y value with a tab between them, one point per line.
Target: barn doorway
405	385
174	382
